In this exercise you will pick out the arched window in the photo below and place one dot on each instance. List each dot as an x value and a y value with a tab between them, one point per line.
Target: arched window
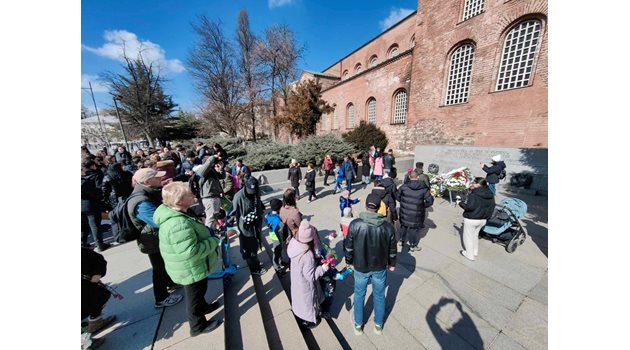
472	8
357	68
350	114
373	61
323	121
345	74
519	52
400	107
371	111
412	42
335	120
393	51
459	74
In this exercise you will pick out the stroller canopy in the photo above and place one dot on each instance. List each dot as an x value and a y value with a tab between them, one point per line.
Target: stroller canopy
517	206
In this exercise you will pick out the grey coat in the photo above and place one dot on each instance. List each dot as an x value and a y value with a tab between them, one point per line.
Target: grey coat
306	293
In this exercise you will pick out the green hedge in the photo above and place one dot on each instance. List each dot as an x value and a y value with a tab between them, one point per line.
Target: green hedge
314	148
267	155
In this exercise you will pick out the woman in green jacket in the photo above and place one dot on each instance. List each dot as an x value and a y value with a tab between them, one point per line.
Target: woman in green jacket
189	253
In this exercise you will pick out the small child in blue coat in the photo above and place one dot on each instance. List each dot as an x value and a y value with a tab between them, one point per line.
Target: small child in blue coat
273	220
346	202
339	178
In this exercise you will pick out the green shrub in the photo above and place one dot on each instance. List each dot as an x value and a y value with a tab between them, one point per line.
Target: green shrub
316	147
232	145
365	135
265	155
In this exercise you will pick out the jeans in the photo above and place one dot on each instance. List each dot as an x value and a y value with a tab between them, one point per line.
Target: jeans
337	186
378	178
90	224
493	188
379	280
349	185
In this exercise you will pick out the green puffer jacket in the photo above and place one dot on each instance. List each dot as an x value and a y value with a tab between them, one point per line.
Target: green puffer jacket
189	252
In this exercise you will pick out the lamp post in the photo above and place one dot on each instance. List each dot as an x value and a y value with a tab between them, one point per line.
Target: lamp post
115	98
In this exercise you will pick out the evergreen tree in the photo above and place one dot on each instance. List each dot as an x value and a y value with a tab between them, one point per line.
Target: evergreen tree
365	135
304	109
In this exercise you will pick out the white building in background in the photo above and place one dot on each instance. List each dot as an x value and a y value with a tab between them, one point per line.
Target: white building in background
109	136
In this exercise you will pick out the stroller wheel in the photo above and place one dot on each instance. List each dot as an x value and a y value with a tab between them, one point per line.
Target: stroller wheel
522	239
512	244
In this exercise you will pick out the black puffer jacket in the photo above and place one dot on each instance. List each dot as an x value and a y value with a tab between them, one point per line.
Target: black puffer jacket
390	198
479	205
493	171
370	244
91	196
295	175
116	188
365	164
414	197
310	180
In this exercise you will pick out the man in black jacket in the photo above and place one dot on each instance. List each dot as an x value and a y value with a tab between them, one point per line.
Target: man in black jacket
91	205
370	249
414	198
388	161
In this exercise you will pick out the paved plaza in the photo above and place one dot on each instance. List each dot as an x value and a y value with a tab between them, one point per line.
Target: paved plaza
436	299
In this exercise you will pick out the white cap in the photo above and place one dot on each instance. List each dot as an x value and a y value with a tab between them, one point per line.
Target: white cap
497	158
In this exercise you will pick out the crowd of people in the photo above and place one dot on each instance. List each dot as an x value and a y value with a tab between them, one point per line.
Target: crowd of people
178	199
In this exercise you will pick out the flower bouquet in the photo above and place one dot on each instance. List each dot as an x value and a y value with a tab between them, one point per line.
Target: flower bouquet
436	183
458	179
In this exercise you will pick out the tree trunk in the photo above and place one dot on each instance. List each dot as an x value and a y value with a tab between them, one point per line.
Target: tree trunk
149	139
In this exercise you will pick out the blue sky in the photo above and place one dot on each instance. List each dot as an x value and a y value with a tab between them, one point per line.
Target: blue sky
329	30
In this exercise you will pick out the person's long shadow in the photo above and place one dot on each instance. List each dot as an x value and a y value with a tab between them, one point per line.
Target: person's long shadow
538	234
464	328
395	279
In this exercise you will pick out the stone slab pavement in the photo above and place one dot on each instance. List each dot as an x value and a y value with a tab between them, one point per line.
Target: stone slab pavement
436	299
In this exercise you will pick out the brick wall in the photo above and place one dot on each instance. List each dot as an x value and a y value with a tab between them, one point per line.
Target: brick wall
512	118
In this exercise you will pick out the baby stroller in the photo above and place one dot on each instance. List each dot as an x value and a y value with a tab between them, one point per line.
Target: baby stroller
224	232
505	226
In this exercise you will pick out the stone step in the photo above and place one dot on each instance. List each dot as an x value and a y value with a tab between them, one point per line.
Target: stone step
282	329
244	328
320	337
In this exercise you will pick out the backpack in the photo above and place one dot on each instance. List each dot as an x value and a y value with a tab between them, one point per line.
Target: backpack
120	216
503	174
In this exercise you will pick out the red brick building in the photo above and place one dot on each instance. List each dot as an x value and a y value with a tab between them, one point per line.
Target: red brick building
458	72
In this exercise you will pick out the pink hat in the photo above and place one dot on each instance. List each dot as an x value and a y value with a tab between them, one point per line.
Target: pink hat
345	194
306	233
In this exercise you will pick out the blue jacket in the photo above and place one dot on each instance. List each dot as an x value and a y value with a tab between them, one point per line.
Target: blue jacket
273	220
340	175
346	203
348	170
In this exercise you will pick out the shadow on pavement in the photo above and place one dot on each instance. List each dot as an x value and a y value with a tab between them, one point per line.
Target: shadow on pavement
464	328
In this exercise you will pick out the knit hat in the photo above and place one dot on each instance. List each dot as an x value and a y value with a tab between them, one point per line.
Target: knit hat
497	158
306	232
345	194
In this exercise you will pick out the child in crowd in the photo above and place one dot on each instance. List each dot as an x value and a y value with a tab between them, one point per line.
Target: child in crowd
346	219
339	178
345	201
273	221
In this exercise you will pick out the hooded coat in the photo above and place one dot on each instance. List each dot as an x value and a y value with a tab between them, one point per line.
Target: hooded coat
479	205
414	197
295	175
492	172
310	179
306	292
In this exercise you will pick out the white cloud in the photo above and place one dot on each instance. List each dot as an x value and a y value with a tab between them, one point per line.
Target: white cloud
395	15
118	42
97	85
278	3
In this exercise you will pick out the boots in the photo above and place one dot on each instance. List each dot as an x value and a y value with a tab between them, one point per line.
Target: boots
97	324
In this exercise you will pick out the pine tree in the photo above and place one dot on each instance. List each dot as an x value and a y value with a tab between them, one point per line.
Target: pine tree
365	135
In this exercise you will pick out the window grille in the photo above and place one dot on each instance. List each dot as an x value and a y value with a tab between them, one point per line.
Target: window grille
350	116
335	120
372	111
460	72
472	8
323	123
400	110
519	51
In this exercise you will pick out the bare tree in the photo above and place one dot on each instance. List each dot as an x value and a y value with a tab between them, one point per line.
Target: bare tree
249	67
280	53
143	105
211	63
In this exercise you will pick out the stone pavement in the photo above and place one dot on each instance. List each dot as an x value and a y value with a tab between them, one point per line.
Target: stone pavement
436	299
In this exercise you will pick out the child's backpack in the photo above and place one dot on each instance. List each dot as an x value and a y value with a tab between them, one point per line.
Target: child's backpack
193	183
503	174
120	216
